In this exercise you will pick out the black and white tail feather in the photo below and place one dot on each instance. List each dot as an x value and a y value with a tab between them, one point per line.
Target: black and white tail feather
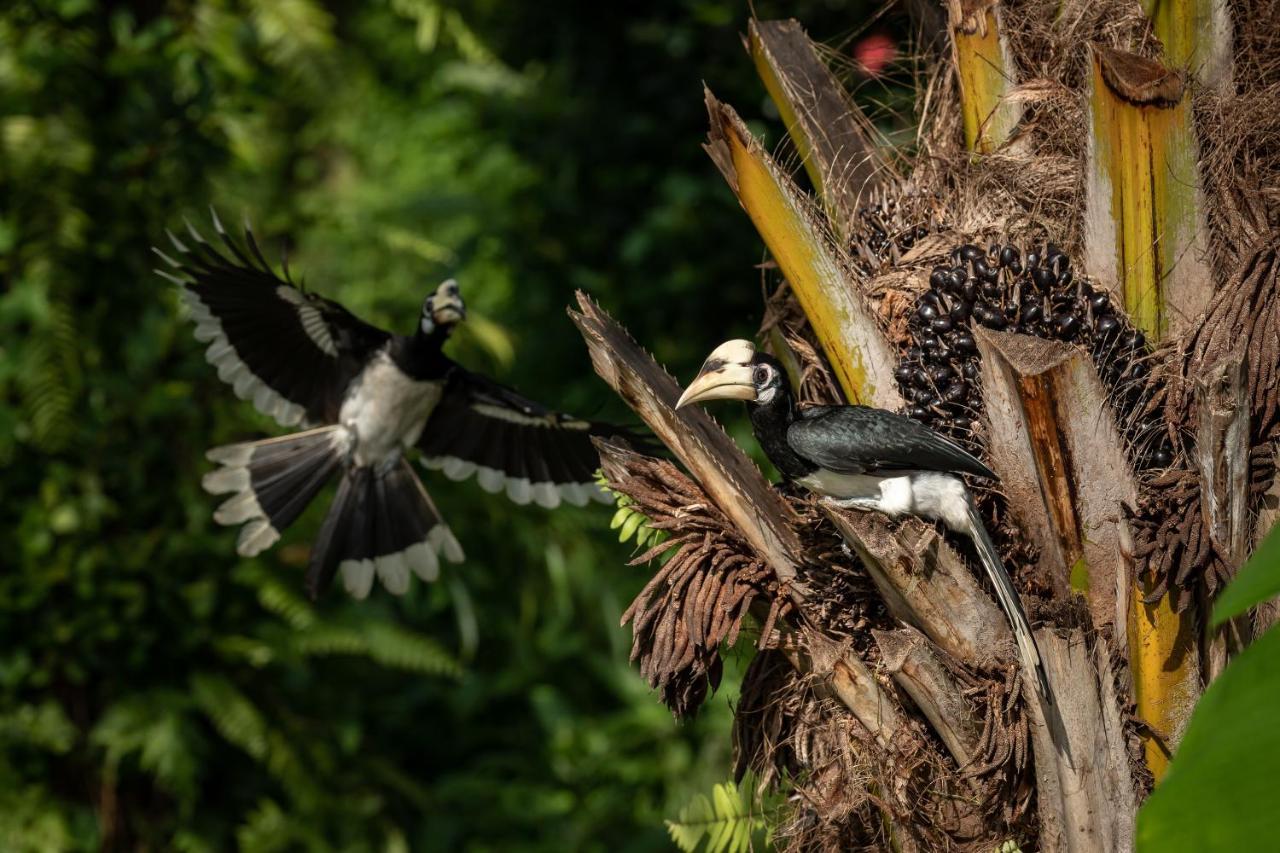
1008	597
369	397
382	523
272	481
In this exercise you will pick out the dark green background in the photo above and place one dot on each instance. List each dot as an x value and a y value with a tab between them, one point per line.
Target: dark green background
157	692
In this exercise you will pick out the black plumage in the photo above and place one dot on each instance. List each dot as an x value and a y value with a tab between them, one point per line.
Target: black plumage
857	439
511	442
371	397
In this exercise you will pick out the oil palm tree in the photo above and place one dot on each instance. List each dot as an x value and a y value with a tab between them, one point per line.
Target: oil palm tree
1070	271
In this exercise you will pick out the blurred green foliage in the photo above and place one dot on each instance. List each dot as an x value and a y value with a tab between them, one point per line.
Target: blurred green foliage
157	692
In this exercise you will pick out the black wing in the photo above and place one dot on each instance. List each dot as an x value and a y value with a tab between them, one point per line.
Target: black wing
291	352
858	439
510	442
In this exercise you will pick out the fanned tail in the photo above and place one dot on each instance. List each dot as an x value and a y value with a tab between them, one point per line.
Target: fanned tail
381	524
272	482
1009	600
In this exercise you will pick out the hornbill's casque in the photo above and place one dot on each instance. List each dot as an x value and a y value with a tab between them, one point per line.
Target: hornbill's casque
368	397
862	458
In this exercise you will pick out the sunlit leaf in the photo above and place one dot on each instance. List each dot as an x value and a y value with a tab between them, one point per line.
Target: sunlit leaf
1257	581
1219	791
725	823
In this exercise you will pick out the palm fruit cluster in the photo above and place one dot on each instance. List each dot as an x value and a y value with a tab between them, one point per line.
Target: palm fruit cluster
1033	292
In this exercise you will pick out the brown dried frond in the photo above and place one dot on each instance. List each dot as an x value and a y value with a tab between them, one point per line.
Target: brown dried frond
1172	547
1002	756
698	597
843	780
772	694
842	601
1247	308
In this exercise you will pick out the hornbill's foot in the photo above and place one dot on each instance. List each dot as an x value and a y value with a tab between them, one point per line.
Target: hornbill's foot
862	504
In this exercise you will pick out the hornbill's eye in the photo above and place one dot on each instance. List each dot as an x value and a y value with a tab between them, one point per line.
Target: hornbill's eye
762	376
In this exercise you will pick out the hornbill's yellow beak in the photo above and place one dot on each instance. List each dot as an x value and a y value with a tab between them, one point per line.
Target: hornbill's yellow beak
725	375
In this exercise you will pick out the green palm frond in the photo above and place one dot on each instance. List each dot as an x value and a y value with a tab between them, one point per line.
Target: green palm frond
725	820
630	522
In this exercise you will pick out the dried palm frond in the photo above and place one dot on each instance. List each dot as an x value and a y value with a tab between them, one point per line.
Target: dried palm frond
700	594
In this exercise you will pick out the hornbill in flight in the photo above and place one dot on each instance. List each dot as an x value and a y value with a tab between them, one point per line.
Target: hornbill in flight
857	457
366	398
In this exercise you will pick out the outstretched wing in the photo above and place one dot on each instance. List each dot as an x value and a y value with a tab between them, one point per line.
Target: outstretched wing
510	442
859	439
291	352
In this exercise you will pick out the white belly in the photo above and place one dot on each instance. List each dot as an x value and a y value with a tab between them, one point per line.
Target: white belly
930	494
385	411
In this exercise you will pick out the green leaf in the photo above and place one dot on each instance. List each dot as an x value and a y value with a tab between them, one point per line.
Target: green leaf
1219	793
1257	581
231	712
44	726
156	728
395	647
726	821
386	644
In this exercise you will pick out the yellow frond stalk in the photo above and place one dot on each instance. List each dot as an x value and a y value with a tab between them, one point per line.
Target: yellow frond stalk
1144	231
1144	241
985	74
1164	660
833	137
850	334
1196	35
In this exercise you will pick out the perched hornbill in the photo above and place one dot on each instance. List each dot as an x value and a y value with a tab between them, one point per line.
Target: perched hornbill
862	458
367	396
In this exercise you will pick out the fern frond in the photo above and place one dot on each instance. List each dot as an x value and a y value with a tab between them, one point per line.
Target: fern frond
32	820
725	820
323	640
276	597
50	377
231	713
386	644
396	647
242	724
156	728
267	827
